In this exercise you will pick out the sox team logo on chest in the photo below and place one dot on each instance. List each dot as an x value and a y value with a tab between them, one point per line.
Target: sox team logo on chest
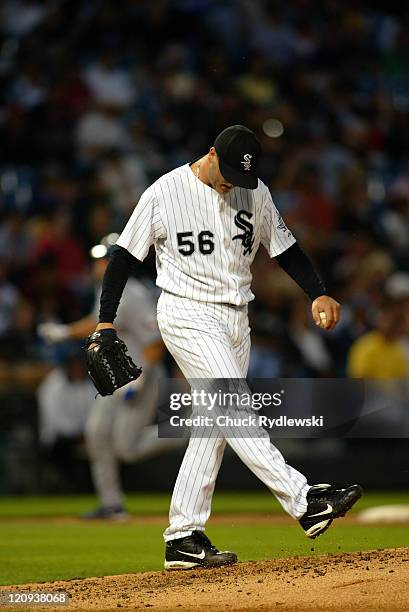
247	237
247	161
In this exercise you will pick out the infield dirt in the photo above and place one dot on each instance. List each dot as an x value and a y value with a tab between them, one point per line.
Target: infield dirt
372	580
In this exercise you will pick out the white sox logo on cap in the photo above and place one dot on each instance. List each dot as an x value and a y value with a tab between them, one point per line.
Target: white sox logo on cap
247	161
238	151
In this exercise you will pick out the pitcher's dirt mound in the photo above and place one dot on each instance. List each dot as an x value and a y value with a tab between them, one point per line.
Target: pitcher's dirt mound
375	580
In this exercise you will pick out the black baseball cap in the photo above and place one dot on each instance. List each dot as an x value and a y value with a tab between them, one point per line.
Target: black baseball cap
239	152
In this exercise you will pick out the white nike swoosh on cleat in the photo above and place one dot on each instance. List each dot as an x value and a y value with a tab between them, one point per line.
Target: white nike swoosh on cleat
328	510
196	556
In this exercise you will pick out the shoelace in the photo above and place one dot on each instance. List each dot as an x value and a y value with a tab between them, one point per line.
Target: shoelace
204	540
321	498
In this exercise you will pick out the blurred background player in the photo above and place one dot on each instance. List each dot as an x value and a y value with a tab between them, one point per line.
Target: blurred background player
62	423
119	427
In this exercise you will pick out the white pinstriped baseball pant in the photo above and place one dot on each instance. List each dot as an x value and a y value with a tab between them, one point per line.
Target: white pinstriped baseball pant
213	341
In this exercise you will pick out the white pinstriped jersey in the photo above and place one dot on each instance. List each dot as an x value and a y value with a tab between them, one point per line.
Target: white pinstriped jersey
205	242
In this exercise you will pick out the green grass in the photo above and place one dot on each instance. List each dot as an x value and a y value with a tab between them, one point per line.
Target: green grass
157	504
39	550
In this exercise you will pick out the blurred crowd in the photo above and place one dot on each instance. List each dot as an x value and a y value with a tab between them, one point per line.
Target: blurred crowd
97	100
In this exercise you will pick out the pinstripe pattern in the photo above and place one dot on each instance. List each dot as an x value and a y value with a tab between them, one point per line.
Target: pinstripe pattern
177	203
205	244
213	341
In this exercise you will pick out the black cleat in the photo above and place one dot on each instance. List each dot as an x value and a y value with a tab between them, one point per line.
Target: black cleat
195	550
326	504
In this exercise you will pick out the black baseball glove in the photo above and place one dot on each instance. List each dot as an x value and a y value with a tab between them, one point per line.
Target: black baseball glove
109	365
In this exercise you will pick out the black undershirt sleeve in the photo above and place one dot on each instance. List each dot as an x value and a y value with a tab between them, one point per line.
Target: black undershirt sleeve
116	275
297	265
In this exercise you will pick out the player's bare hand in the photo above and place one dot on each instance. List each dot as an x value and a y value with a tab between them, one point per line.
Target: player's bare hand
326	312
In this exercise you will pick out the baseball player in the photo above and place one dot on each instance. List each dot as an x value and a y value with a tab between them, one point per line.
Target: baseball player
207	220
119	426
